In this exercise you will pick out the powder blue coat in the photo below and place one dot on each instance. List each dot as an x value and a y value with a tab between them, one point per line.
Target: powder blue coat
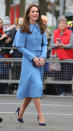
31	45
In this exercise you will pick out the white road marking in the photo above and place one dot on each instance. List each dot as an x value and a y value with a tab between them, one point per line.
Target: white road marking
45	96
30	113
33	104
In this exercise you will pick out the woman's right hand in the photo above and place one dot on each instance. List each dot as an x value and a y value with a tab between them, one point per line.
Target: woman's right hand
36	60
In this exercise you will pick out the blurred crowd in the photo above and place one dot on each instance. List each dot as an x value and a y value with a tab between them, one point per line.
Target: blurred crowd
62	50
7	34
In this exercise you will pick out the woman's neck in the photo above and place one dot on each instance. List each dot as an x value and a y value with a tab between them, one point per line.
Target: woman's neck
33	22
62	30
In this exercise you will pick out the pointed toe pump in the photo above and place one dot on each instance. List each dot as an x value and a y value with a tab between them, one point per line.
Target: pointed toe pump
19	119
41	124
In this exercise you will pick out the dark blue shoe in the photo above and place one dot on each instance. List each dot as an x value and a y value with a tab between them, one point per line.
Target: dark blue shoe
41	124
18	110
19	119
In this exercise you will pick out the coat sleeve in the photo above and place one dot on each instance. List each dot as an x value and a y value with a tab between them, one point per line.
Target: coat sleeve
70	45
44	45
53	45
19	42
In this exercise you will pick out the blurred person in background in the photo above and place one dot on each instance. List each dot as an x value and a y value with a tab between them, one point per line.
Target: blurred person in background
6	23
16	54
70	25
1	31
10	31
1	54
45	21
62	42
1	27
5	41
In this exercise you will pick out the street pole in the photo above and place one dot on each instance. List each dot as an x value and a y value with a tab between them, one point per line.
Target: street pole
28	2
52	16
61	7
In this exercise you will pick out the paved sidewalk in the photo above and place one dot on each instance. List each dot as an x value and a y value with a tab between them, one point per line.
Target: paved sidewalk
58	112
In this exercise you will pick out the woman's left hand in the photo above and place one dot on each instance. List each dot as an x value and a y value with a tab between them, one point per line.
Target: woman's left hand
41	61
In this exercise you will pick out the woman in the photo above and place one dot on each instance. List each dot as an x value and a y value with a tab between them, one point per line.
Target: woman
62	42
31	41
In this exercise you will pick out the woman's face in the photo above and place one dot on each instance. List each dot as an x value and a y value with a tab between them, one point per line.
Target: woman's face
33	14
62	25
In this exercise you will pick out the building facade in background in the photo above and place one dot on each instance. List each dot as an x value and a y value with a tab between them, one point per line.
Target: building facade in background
28	2
69	6
2	9
15	12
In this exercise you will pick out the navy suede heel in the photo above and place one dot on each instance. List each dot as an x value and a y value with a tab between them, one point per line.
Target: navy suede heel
41	124
19	119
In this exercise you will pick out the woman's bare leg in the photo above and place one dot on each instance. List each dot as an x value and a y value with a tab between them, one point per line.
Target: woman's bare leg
39	110
26	102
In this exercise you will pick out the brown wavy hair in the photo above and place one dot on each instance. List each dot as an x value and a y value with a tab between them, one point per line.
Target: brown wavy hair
26	23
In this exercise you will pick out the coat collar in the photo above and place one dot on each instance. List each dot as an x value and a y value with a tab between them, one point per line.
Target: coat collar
32	26
59	31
